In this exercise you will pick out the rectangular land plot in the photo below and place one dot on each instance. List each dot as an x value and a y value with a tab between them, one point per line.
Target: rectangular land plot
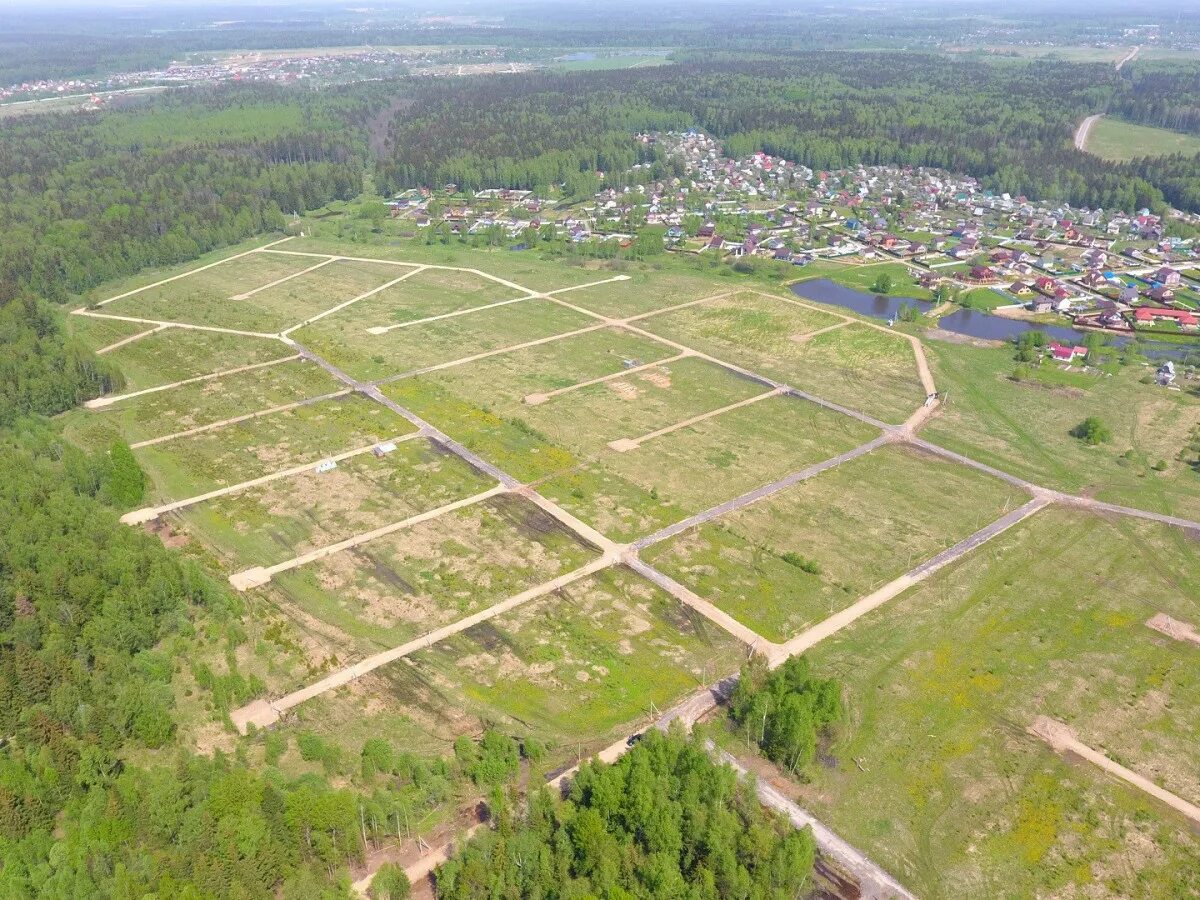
643	292
937	779
369	357
859	526
525	269
99	333
412	581
306	295
586	420
742	321
632	494
207	402
282	519
205	298
582	664
856	366
175	354
1025	427
431	292
214	459
482	404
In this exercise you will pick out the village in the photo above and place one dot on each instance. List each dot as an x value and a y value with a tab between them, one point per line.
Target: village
960	244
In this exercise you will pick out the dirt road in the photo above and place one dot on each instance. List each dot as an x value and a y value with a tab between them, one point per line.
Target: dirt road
873	881
1127	58
1081	133
1062	739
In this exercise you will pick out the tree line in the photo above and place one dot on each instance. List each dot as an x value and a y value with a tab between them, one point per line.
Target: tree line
1008	124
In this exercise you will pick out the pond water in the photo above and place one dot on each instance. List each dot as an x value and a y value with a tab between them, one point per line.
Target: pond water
969	322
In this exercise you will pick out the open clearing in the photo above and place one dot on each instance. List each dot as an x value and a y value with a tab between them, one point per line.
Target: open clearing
857	527
953	795
307	434
276	521
578	665
1025	428
392	589
1119	141
561	431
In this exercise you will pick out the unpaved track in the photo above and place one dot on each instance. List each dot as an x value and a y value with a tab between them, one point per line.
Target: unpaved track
874	882
284	280
262	713
710	611
1063	740
1081	133
622	445
260	575
759	493
258	414
537	399
164	324
219	262
109	399
138	516
412	323
352	300
129	340
894	588
1127	58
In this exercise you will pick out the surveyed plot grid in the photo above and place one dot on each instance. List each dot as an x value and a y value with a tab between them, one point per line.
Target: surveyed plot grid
608	552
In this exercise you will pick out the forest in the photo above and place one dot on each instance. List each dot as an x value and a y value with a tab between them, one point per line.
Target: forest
663	821
1009	124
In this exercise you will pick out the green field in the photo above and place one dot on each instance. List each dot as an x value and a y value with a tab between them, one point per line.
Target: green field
194	465
1113	139
412	581
1025	428
282	519
577	667
788	562
948	792
936	777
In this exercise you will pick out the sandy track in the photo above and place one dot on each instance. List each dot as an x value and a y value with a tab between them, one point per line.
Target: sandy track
537	399
219	262
759	493
260	575
284	280
165	324
262	712
897	586
622	445
138	516
873	881
258	414
1081	133
129	340
109	399
1062	739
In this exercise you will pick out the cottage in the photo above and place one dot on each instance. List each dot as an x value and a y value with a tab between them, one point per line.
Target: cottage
1147	314
1166	276
1062	353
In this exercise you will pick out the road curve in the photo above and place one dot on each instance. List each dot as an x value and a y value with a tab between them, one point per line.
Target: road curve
1081	133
